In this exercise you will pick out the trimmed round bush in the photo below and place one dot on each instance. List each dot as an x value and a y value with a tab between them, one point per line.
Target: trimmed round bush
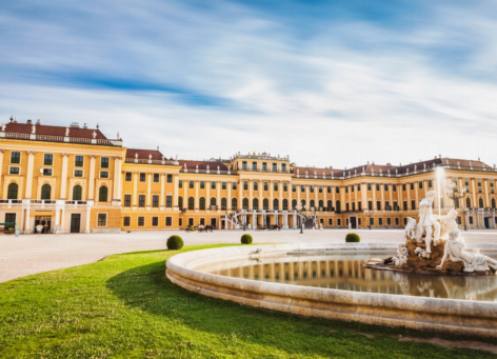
174	242
246	239
352	238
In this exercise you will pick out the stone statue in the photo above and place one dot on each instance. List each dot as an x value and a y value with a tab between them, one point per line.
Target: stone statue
428	226
455	250
435	245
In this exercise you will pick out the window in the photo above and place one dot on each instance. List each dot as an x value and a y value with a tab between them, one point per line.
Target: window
285	187
14	170
141	221
275	186
244	165
420	185
102	219
104	162
413	204
127	200
15	157
180	202
77	193
378	205
213	185
104	174
266	186
285	204
224	204
155	221
46	191
141	200
47	172
202	185
234	203
12	191
142	177
256	187
169	221
265	203
169	178
156	177
78	173
191	203
234	186
78	161
47	159
126	221
380	221
371	221
155	201
275	167
202	203
294	188
169	201
127	176
245	186
255	204
245	203
103	193
370	205
254	166
191	184
180	184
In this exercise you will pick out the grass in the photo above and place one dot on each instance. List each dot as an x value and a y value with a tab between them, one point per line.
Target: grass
124	307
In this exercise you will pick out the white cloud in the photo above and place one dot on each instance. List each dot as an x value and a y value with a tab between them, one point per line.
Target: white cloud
322	100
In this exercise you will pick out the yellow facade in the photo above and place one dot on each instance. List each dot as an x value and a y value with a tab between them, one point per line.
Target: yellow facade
71	179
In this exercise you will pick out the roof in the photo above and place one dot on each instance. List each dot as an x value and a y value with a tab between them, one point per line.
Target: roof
143	154
30	130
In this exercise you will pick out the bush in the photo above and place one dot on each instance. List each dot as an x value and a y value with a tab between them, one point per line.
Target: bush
246	239
352	238
174	242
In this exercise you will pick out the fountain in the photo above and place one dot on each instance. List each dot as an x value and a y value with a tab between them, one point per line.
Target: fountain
433	283
435	245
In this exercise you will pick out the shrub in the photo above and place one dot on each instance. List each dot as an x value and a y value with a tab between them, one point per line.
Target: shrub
352	238
174	242
246	239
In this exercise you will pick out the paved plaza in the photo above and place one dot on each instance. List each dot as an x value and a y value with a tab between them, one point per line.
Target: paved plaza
29	254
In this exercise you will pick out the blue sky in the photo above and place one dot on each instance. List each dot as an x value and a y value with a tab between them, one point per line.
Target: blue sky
327	82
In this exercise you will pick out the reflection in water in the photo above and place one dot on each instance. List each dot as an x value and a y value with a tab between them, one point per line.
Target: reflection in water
353	275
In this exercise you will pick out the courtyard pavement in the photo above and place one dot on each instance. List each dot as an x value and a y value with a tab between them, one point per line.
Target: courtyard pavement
29	254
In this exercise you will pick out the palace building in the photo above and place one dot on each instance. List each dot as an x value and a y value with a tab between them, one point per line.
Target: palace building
74	179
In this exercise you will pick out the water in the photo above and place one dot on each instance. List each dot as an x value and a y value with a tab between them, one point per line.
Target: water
352	274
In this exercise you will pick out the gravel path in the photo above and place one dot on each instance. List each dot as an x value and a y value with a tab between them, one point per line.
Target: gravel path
29	254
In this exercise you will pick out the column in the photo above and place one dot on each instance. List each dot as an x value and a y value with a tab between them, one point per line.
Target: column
228	186
364	196
208	195
29	176
285	219
271	195
218	194
240	190
63	177
134	200
196	198
116	193
91	179
162	197
88	216
280	195
148	199
251	194
175	192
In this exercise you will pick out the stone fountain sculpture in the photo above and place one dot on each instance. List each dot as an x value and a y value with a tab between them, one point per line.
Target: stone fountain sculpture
435	245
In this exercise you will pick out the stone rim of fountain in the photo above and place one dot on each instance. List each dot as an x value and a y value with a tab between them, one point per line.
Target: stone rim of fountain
456	316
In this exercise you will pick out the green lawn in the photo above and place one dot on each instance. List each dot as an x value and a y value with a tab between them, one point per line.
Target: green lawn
124	307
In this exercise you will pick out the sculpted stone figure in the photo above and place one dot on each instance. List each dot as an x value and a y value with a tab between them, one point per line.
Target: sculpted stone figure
455	250
428	225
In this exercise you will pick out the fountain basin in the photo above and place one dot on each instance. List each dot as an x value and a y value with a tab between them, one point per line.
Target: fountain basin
199	272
